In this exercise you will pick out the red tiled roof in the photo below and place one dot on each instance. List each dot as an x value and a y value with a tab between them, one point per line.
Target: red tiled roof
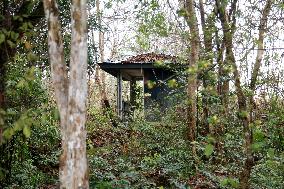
149	58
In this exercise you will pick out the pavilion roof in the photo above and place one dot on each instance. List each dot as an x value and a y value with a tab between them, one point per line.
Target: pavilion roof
149	58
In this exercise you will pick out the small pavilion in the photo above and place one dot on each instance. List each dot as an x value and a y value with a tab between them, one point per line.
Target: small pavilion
150	67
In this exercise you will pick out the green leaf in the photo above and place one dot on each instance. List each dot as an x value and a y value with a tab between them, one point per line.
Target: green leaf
21	83
209	148
30	25
229	182
172	83
16	17
30	75
11	44
224	182
32	57
181	12
17	126
24	27
8	133
143	41
211	139
271	153
151	84
2	17
2	38
213	120
158	63
14	36
108	5
27	131
258	135
192	70
243	114
257	146
2	174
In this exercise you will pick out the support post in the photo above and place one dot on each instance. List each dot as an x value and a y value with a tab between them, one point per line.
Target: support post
119	94
133	92
133	96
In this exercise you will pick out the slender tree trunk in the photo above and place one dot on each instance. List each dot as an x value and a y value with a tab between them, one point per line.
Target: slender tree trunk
249	162
207	26
194	57
260	51
99	73
70	94
228	31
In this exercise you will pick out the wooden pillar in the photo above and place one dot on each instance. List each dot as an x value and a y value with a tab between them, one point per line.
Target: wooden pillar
133	96
143	99
119	94
133	92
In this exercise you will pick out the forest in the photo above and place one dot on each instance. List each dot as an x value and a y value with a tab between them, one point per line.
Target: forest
122	94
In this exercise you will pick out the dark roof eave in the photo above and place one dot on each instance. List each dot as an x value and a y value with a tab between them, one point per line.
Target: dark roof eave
106	65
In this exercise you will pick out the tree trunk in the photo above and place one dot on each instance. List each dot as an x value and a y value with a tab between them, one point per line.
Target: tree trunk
228	31
260	51
194	57
207	26
70	94
99	73
249	162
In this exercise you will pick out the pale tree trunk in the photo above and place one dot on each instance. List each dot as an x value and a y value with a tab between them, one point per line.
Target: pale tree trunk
70	93
100	75
193	60
260	51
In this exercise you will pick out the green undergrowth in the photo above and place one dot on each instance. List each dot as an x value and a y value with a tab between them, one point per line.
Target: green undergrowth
139	155
143	154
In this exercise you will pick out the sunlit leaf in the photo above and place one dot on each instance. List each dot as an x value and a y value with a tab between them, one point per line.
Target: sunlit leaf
17	126
151	84
27	131
229	182
173	83
8	133
158	63
209	149
21	83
